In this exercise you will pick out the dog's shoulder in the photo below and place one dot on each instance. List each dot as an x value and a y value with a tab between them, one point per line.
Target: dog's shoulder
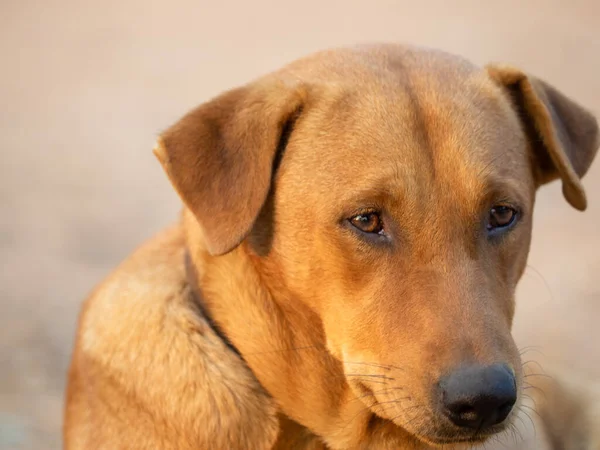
155	371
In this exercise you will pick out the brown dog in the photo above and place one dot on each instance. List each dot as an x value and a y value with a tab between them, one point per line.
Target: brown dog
355	226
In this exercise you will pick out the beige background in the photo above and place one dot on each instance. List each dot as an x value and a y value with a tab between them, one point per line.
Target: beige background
86	86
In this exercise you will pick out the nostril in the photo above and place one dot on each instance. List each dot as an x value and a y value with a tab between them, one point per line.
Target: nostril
462	410
465	412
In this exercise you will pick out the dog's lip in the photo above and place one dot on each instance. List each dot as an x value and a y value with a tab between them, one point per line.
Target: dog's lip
458	438
443	440
463	438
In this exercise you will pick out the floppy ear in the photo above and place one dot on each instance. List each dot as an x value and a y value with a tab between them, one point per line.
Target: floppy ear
564	136
220	157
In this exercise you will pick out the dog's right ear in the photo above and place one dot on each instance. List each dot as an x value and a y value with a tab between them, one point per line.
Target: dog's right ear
220	156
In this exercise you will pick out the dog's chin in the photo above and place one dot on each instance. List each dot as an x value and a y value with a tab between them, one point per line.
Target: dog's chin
446	437
455	439
455	442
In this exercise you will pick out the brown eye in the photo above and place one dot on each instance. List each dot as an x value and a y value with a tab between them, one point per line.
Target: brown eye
368	223
501	216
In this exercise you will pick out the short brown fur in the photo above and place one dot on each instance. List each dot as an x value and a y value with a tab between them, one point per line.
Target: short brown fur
342	336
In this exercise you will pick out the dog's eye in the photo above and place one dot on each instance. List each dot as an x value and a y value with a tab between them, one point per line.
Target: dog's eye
501	216
368	222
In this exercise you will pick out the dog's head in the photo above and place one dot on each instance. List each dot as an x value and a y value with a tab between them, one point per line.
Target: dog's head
391	191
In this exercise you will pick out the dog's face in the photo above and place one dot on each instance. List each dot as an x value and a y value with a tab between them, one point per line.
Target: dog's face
391	191
405	223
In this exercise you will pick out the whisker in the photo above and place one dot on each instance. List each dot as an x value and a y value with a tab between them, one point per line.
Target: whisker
513	434
382	382
382	366
531	348
532	410
319	348
537	388
518	433
530	419
369	375
533	362
372	394
405	410
361	411
398	400
388	404
498	439
538	375
521	420
544	281
532	400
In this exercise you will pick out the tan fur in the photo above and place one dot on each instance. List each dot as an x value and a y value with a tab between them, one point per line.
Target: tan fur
155	375
343	339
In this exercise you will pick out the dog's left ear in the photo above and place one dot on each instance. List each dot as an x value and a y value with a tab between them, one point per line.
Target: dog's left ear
564	136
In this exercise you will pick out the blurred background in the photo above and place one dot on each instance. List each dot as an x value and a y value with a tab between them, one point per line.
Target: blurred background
86	86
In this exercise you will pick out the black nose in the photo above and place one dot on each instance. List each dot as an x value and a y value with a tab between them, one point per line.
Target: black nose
478	397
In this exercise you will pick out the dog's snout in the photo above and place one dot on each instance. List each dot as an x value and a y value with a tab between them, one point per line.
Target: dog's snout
478	397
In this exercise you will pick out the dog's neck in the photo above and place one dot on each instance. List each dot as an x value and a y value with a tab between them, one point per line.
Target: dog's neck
198	299
283	343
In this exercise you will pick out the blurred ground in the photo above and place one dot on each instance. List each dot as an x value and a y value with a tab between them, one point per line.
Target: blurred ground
86	86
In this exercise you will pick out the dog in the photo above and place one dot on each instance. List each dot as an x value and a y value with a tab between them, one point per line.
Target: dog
343	273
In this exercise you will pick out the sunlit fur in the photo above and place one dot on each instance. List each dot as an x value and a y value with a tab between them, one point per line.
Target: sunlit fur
343	337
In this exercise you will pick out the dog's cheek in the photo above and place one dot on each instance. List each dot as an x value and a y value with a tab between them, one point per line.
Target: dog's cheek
334	348
513	260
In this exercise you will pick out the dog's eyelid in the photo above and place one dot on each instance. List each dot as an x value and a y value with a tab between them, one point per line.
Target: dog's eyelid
503	197
364	207
366	210
507	190
506	203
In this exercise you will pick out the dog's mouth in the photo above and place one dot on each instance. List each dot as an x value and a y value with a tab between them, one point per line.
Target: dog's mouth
441	440
447	437
428	429
458	438
444	442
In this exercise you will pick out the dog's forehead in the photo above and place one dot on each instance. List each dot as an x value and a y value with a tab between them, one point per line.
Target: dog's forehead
377	61
407	116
